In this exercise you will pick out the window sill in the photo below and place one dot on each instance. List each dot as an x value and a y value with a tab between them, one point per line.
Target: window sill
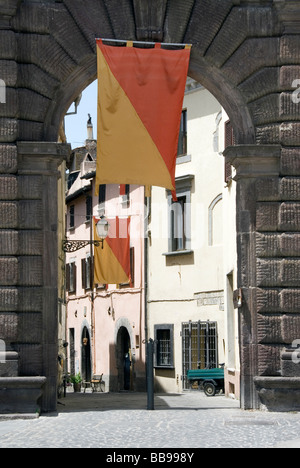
178	252
183	158
164	367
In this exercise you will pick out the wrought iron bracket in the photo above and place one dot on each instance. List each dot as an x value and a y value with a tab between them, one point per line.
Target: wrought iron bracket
70	246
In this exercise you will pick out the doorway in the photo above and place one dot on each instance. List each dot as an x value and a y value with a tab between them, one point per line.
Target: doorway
86	367
124	362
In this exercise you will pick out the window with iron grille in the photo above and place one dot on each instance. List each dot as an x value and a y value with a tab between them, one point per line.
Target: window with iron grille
164	345
199	347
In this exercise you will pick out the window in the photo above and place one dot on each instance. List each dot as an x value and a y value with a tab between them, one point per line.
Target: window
178	238
164	345
71	271
125	195
86	273
89	209
102	198
199	347
229	141
72	217
182	141
180	217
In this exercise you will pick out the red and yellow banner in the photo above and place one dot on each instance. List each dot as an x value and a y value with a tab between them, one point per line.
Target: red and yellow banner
140	97
112	262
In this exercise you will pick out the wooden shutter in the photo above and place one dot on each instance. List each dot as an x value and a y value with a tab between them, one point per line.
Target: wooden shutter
83	274
229	141
68	277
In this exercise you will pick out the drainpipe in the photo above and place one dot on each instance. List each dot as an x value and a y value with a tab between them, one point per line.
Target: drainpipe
149	342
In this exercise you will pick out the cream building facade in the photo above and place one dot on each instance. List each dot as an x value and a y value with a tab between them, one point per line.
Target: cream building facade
191	254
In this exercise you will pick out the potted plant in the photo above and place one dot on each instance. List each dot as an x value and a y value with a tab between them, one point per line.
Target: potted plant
76	381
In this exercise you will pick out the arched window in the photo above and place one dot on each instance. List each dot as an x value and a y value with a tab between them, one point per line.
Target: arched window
215	222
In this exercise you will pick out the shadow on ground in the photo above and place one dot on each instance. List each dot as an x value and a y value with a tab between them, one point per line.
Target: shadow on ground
83	402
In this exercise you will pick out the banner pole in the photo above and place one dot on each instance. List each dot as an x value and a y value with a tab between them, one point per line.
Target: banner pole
120	41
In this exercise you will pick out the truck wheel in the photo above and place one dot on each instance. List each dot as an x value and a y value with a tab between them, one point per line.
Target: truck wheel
209	389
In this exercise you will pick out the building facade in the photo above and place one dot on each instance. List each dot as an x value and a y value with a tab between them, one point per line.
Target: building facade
192	254
105	323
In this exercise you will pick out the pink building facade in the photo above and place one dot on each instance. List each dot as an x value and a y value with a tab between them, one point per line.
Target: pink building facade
105	323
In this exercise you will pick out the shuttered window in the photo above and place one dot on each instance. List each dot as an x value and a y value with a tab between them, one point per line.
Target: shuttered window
71	276
86	273
229	141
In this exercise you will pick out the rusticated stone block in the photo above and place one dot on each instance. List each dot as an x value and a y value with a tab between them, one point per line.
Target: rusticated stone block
268	134
268	300
32	77
8	327
269	329
288	108
252	55
61	23
290	133
32	106
278	273
267	189
267	245
290	272
263	82
8	45
30	271
9	242
8	130
8	159
289	245
10	108
290	49
30	131
290	300
290	161
290	188
8	299
30	187
8	187
30	243
26	332
9	72
221	48
30	214
8	215
30	359
30	299
8	271
288	74
269	359
267	216
290	328
289	217
268	273
266	109
44	51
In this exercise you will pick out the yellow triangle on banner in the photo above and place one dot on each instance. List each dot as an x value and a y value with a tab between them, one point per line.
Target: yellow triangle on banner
141	162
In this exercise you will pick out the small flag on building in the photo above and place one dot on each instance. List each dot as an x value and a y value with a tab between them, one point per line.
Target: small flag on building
140	98
112	262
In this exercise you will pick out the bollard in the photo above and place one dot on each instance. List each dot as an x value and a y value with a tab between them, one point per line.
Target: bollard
150	375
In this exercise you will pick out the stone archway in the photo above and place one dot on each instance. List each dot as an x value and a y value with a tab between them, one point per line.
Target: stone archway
246	53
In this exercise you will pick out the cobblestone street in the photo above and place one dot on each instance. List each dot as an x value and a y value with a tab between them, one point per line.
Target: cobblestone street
182	421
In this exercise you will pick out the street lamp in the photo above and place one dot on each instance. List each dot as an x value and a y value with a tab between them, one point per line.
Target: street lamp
102	228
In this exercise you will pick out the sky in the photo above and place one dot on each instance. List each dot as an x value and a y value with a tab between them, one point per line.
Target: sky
75	125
